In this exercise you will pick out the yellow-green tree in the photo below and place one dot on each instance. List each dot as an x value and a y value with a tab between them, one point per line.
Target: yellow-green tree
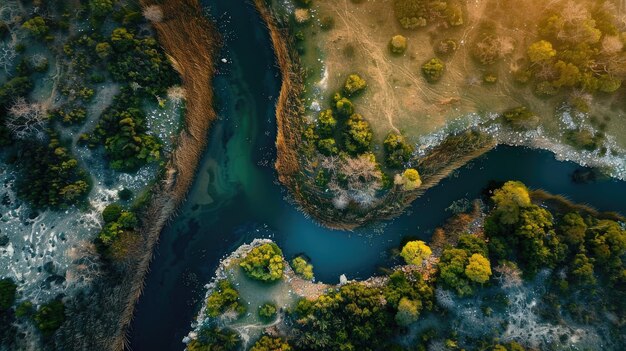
411	179
408	311
478	269
541	51
414	252
509	199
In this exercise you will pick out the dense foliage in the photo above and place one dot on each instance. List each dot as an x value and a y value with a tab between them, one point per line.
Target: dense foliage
267	343
7	293
215	339
225	298
397	150
264	262
433	70
414	252
267	312
302	267
419	13
50	176
50	317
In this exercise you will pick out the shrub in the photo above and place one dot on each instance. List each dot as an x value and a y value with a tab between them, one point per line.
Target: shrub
264	262
410	179
124	223
521	118
223	299
267	312
326	123
100	8
36	26
414	252
478	269
344	107
446	47
302	268
268	343
541	51
358	136
583	139
24	309
398	44
408	311
50	317
7	293
397	150
433	70
214	339
327	147
111	213
354	84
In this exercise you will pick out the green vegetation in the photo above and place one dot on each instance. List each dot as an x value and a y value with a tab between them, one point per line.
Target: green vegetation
521	118
36	26
433	70
358	135
7	294
264	262
49	176
267	343
410	179
354	84
420	13
214	338
225	298
302	268
398	44
397	150
50	317
267	312
414	252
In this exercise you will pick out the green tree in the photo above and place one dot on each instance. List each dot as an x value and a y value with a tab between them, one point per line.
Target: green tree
112	213
408	311
302	268
411	179
398	44
478	269
397	150
7	293
573	229
540	51
267	312
509	200
267	343
354	84
433	70
326	123
582	270
358	135
414	252
50	317
264	262
100	8
224	298
36	26
452	271
103	50
327	146
344	107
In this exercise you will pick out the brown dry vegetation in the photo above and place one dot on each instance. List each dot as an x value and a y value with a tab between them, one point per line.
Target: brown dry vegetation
399	98
99	321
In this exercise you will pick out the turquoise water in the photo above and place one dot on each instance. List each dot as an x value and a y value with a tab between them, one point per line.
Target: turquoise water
236	198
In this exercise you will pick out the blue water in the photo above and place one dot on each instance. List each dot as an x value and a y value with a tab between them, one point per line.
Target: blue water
236	197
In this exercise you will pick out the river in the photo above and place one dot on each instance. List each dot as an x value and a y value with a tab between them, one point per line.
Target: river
236	197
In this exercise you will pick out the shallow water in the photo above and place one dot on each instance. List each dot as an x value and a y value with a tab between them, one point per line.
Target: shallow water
236	198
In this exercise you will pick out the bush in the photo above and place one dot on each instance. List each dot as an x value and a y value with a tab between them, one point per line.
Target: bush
264	262
408	311
541	51
354	84
397	150
326	123
36	26
7	293
215	339
521	118
358	136
414	252
398	44
302	268
327	147
50	177
478	269
268	343
24	309
267	312
410	179
433	70
50	317
225	298
125	222
111	213
446	47
344	107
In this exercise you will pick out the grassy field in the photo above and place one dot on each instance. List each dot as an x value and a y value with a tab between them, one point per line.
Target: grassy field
345	37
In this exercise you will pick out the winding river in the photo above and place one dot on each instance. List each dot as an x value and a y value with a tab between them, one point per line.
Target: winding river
236	197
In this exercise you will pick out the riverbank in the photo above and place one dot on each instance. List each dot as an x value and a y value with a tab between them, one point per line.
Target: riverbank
190	42
439	162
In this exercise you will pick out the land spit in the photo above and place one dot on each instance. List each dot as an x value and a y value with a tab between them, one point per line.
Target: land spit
100	321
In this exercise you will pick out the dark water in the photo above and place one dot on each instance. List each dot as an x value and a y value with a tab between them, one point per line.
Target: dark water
235	197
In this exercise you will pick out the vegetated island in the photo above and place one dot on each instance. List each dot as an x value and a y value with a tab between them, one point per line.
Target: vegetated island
101	129
523	270
383	99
